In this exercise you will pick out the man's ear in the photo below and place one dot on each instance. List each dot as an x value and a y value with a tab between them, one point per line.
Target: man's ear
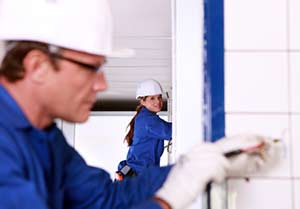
36	65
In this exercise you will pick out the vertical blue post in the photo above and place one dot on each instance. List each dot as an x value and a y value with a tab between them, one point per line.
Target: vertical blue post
214	114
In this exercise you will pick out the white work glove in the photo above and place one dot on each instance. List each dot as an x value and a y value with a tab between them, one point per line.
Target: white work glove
244	164
190	175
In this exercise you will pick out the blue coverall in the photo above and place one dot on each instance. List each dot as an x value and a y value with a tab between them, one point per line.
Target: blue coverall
39	170
150	131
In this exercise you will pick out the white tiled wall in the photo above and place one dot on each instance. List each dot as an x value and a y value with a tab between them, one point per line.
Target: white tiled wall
294	21
295	136
255	24
274	125
294	80
296	195
256	81
262	94
260	193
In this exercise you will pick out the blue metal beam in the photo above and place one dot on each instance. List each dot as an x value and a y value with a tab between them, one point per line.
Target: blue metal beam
214	114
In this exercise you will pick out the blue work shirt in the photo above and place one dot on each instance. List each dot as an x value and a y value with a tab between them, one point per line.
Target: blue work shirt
150	131
39	170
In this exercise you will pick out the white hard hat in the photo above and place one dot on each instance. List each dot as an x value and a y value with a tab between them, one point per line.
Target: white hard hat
148	87
74	24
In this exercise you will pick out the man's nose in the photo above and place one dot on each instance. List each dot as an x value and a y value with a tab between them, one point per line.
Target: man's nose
100	82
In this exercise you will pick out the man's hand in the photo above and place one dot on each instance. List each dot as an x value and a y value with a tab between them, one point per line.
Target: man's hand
190	175
257	153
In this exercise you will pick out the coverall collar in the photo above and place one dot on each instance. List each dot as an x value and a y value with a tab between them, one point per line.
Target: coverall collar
144	109
16	118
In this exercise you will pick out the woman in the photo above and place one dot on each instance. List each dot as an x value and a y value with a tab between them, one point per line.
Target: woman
147	131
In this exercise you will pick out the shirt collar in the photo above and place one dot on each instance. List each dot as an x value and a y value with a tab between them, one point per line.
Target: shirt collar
12	115
11	110
144	109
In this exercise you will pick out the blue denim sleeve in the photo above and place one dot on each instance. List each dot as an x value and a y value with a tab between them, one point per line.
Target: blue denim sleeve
15	189
79	185
158	128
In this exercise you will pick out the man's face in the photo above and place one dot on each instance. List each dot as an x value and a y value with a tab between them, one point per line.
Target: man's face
74	86
153	103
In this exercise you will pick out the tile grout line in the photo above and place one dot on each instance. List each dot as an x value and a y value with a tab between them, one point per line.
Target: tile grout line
290	122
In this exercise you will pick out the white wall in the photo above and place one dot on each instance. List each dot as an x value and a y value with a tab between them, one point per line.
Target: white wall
262	82
100	139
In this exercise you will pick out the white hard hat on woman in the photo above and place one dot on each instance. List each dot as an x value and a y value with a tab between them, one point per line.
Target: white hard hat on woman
148	87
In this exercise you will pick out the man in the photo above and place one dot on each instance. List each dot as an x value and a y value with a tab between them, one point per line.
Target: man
54	52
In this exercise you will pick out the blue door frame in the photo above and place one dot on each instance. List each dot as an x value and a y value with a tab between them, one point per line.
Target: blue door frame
214	113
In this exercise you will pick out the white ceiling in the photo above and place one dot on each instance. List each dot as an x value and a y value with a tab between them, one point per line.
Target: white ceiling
144	26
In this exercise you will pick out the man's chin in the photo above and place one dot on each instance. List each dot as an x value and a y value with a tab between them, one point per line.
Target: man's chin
79	118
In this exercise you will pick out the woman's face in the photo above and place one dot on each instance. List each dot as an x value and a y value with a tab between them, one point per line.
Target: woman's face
153	103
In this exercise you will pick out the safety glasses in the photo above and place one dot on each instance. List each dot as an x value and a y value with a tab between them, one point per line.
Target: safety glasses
84	65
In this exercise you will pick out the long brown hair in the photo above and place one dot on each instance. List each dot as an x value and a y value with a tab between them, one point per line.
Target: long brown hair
129	136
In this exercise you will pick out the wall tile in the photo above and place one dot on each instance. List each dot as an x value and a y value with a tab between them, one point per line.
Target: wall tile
255	24
276	126
295	136
296	196
294	24
295	81
259	193
256	82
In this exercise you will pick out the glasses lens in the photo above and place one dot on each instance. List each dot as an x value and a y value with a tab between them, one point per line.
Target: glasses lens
84	65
